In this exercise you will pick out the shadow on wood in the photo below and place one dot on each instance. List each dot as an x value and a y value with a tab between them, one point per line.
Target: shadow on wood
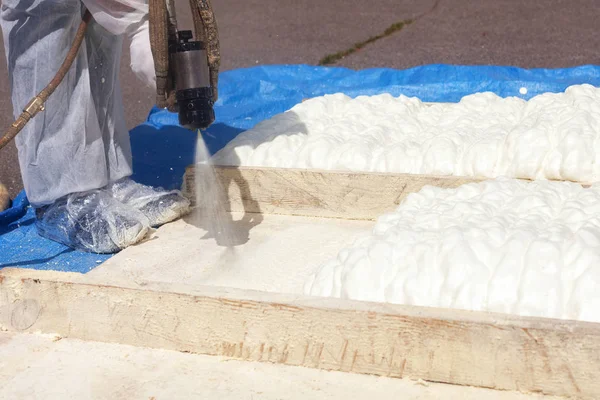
216	191
213	214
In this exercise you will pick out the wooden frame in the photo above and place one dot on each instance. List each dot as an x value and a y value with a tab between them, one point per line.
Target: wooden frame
319	193
451	346
479	349
316	193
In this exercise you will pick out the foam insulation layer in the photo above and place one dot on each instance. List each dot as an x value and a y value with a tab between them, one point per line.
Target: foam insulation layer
551	136
518	247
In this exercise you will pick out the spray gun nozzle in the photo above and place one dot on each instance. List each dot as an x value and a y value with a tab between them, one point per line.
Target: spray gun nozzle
194	92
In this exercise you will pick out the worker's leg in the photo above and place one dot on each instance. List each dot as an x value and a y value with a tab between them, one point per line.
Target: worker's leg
61	150
67	153
104	59
159	206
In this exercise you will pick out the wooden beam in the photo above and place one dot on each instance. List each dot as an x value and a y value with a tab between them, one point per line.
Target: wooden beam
451	346
315	193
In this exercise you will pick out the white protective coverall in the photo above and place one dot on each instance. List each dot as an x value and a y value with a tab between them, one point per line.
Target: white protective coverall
75	157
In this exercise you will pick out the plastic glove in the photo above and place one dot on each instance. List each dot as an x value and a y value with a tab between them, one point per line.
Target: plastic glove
142	62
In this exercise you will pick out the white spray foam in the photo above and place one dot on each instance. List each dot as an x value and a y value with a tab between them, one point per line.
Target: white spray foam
525	248
501	246
551	136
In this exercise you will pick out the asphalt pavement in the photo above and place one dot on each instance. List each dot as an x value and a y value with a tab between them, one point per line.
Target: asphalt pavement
529	34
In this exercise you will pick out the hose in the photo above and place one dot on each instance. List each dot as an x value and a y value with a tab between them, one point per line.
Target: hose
37	103
159	43
206	28
163	23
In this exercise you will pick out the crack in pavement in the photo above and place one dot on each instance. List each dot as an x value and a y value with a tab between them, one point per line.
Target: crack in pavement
395	27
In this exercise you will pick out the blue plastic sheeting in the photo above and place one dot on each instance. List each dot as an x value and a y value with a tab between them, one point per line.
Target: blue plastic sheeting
162	149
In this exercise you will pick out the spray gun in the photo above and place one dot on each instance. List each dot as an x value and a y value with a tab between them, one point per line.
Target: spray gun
186	69
193	91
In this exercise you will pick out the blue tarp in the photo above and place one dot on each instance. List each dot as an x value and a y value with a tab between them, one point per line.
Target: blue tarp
162	149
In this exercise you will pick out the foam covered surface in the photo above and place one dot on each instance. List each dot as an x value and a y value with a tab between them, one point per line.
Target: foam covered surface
518	247
551	136
162	149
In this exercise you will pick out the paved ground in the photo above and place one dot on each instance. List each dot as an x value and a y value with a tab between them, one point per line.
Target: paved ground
534	33
528	34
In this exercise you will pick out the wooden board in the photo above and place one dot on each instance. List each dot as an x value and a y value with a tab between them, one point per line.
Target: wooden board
458	347
315	193
28	362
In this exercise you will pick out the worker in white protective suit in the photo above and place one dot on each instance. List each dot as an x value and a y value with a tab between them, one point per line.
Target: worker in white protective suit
75	157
